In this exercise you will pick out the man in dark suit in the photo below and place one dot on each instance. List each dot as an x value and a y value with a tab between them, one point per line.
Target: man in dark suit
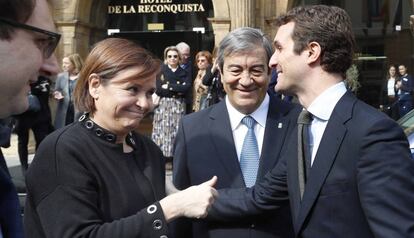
360	179
27	42
405	90
212	141
188	66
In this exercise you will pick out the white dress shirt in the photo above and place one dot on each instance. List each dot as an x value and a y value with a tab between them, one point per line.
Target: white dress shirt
321	109
240	130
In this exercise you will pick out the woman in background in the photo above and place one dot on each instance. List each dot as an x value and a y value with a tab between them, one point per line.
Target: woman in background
172	87
63	93
212	81
203	61
97	177
389	94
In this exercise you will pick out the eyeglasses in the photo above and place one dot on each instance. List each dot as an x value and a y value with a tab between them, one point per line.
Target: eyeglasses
49	44
201	60
172	56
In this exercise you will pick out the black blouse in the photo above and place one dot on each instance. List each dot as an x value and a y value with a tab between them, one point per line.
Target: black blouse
82	184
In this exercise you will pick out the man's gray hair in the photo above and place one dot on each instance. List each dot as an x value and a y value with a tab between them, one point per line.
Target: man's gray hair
182	45
244	39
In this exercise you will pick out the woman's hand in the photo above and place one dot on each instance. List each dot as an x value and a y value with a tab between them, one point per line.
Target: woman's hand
192	202
202	88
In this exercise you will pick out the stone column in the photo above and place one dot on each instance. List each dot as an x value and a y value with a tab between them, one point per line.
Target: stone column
242	13
221	21
221	27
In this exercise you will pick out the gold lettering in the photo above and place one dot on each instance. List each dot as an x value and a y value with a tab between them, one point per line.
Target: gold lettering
111	9
140	9
129	9
167	8
201	8
174	8
157	8
118	10
114	10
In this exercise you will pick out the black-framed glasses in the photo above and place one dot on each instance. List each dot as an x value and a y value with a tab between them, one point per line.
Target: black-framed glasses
49	44
172	56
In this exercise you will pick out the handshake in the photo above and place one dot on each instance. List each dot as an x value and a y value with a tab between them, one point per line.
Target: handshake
192	202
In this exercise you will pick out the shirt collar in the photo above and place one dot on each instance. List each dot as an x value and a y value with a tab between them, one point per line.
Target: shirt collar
259	115
323	106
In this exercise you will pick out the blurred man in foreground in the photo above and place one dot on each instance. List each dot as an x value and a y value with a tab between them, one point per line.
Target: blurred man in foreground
27	42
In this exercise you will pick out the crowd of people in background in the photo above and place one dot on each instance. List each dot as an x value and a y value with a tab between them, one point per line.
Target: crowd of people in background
397	92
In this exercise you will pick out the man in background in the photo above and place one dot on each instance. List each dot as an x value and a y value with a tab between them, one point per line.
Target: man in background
239	139
37	118
187	65
405	90
27	42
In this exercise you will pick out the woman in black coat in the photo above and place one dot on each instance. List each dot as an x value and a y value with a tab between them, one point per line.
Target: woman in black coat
172	87
97	177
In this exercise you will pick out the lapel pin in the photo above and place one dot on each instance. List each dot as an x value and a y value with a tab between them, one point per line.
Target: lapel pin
280	125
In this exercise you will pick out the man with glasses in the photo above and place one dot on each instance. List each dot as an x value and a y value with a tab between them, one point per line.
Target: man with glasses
27	42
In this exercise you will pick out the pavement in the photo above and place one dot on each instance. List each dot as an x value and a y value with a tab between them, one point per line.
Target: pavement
13	163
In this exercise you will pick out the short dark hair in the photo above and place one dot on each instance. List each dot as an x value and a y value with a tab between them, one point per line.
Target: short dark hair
107	58
15	10
330	27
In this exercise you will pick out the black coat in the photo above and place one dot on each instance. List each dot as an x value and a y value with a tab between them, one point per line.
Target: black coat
178	83
81	185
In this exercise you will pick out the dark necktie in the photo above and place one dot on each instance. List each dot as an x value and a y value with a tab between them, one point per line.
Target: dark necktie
249	156
304	157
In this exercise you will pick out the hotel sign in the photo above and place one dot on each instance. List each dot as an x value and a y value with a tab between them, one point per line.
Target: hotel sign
155	6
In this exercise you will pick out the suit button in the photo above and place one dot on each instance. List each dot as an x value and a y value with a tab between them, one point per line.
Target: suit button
252	225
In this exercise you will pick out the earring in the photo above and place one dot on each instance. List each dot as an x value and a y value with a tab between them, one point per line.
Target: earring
96	94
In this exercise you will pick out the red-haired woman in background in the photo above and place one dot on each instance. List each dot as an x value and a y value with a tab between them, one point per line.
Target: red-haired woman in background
203	61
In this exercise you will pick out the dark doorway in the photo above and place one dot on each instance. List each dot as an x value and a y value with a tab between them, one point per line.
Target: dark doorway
156	42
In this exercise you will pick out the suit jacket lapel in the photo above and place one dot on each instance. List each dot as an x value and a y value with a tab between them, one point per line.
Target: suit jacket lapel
219	127
328	148
274	136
